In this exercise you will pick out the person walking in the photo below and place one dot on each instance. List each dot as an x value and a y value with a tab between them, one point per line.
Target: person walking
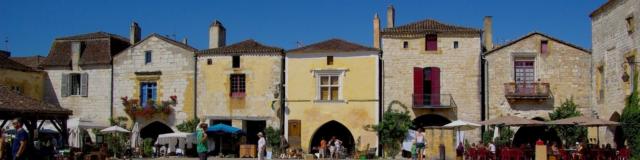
20	142
332	147
323	148
420	143
202	146
338	145
262	146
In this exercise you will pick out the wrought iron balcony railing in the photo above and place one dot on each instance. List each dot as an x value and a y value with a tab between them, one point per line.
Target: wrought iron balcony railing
433	101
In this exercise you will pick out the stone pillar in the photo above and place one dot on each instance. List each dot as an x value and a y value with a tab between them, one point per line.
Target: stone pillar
376	31
487	34
541	150
391	16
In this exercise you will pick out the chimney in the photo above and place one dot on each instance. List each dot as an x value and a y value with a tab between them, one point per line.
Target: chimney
376	31
76	50
487	34
217	35
391	16
184	40
134	33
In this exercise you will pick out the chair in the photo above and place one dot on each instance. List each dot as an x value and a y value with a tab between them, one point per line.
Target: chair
472	154
504	153
624	154
563	154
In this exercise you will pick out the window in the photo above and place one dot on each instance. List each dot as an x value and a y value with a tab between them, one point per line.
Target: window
236	62
524	70
237	85
405	44
329	87
455	44
75	84
329	60
630	24
544	46
600	84
426	86
431	42
209	61
147	57
631	71
17	89
148	93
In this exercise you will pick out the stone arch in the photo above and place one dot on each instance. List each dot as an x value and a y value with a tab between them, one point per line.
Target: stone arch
618	135
530	134
430	120
153	129
330	129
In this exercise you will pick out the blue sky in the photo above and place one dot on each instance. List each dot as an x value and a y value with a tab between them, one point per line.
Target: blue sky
30	26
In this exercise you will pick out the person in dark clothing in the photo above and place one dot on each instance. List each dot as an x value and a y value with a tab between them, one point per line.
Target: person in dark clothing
460	151
19	145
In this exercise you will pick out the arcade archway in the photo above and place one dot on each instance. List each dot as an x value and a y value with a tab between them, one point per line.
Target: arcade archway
154	129
529	135
429	120
330	129
618	135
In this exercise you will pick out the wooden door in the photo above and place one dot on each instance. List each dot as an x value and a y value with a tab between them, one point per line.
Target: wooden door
294	132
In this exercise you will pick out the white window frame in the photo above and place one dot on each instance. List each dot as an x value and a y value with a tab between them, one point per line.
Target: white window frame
72	90
318	74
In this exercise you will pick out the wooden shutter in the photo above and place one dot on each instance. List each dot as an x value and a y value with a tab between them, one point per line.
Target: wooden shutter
435	86
431	43
84	86
418	85
65	85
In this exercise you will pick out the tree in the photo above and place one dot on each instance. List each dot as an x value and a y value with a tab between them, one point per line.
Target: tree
392	129
630	121
503	139
188	126
570	134
273	138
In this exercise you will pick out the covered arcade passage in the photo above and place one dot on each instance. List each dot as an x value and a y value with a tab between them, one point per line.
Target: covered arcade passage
330	129
528	135
154	129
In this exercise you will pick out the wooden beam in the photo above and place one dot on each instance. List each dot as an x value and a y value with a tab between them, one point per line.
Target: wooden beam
55	124
41	123
3	123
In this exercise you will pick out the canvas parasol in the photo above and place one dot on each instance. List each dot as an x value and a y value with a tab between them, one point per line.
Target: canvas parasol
585	121
512	121
461	126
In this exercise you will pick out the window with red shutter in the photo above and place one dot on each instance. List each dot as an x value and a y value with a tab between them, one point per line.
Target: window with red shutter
418	91
431	43
435	86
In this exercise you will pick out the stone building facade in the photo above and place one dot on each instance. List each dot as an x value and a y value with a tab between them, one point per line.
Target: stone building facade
239	84
332	89
155	69
616	42
79	74
21	78
532	75
434	69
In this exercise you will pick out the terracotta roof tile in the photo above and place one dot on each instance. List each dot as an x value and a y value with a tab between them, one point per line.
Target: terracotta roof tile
247	46
427	26
33	61
7	63
332	45
12	102
97	48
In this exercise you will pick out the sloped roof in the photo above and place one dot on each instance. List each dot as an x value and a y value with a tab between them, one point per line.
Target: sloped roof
168	40
332	45
7	63
31	61
13	103
604	7
97	48
427	26
536	33
247	46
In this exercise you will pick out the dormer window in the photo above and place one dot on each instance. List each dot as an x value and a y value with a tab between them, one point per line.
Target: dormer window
431	42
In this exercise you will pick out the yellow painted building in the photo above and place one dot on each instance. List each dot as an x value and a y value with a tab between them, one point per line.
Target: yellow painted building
21	78
332	89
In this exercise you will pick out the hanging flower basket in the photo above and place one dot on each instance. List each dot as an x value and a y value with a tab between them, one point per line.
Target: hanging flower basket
133	108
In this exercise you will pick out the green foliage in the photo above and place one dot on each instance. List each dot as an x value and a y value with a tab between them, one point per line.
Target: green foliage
273	136
147	147
120	121
503	139
630	121
569	133
392	129
188	126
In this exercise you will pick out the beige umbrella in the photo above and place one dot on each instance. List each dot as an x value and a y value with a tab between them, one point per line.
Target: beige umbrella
512	121
585	121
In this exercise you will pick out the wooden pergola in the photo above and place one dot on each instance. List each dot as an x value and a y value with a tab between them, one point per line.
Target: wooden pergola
35	113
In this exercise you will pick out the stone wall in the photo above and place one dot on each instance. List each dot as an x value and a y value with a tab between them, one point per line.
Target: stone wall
460	74
565	68
262	76
96	106
612	44
31	83
176	67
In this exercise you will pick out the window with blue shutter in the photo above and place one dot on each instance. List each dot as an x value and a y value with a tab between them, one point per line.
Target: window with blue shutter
148	92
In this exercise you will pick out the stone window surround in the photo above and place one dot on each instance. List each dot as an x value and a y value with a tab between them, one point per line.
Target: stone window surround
317	73
523	55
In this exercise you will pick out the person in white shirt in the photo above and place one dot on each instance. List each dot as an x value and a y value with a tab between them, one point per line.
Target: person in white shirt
262	146
492	148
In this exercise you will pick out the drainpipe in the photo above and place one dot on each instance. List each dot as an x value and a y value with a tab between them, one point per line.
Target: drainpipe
195	85
380	97
282	94
111	95
484	91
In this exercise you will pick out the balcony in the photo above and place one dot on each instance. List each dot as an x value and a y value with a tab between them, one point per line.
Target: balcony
527	91
433	101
